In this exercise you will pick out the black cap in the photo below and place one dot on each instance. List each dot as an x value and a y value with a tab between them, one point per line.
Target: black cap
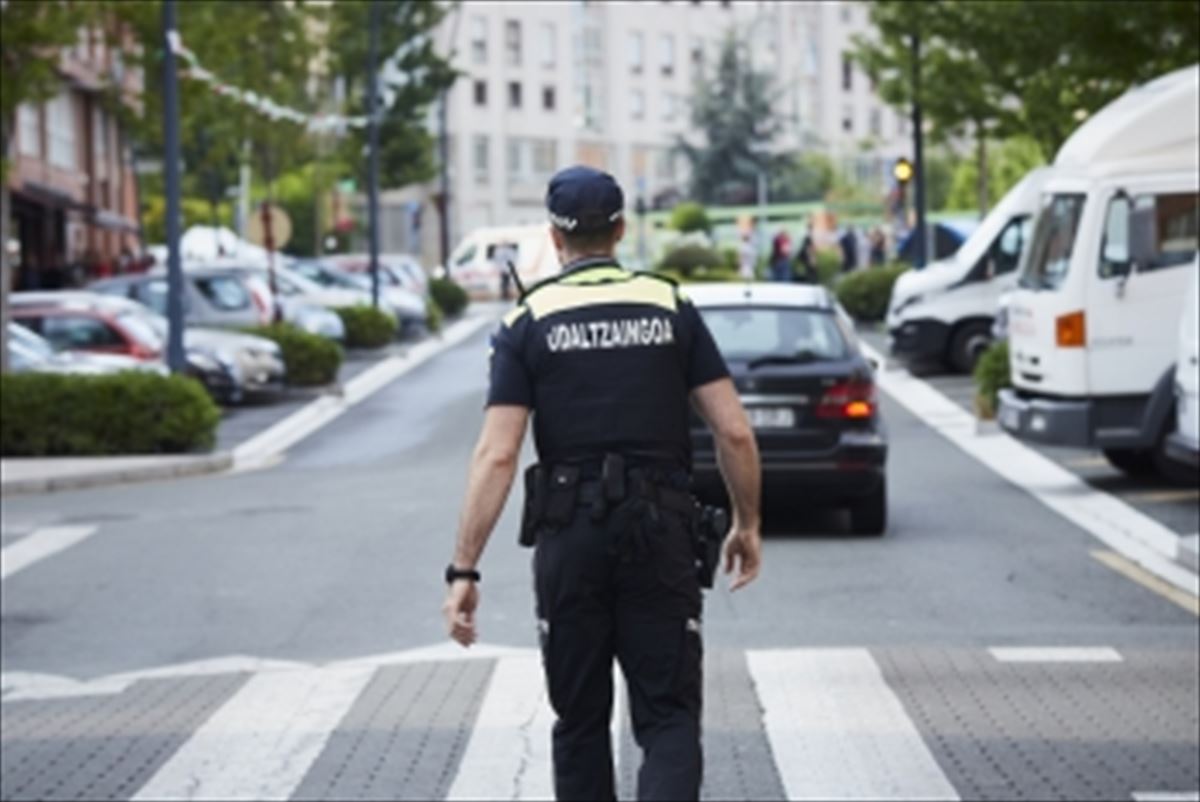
582	200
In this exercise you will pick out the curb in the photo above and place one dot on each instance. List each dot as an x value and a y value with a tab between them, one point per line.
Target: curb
185	466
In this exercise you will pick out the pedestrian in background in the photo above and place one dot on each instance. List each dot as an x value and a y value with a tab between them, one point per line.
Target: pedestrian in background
806	257
849	245
747	256
878	244
609	363
781	265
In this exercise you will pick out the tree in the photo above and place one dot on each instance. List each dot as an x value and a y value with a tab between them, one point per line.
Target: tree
735	112
1012	159
31	38
804	177
415	77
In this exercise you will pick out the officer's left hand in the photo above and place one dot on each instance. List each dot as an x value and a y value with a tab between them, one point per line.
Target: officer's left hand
459	609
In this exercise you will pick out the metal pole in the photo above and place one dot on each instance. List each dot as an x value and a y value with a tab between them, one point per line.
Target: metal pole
762	211
176	358
443	184
373	151
918	154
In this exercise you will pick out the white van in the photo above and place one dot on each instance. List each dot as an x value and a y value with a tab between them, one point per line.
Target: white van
945	311
477	264
1184	443
1093	321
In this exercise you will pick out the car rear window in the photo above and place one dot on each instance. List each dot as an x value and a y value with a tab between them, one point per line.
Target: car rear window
748	332
226	293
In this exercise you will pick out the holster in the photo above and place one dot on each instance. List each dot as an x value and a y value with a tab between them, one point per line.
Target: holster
550	495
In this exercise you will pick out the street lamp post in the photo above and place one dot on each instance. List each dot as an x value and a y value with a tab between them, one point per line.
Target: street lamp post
921	255
373	149
176	358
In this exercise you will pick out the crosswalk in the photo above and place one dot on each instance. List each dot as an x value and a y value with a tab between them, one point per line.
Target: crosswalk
813	723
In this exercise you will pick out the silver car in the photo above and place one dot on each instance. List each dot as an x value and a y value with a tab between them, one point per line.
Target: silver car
210	298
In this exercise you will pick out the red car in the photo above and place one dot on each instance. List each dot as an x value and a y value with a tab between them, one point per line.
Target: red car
90	329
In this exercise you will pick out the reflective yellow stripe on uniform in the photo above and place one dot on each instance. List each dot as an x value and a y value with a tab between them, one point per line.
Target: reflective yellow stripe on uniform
562	296
514	315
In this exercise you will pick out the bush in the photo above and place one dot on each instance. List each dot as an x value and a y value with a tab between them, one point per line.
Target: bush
829	265
865	293
51	415
366	326
310	359
730	259
690	216
450	298
992	373
433	316
688	259
700	276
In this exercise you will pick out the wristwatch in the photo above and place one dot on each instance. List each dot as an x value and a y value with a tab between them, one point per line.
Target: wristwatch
453	574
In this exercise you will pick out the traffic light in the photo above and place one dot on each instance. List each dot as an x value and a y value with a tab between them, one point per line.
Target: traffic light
902	171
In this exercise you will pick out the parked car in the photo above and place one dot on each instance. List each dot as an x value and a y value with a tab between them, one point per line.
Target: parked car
29	352
407	307
210	297
397	269
809	393
946	311
231	365
1184	443
1093	320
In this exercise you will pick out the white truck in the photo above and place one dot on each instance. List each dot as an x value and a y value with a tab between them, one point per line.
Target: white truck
1183	444
1093	322
477	264
945	311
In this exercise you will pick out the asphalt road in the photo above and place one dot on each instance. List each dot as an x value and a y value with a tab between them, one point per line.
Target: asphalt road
855	666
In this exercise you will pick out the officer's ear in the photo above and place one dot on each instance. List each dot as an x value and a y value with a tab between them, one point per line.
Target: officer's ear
557	238
619	231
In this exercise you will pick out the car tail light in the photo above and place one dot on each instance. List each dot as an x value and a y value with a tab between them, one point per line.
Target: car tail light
1070	331
852	400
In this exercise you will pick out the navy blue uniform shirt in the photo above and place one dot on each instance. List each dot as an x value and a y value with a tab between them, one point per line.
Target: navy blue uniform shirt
606	359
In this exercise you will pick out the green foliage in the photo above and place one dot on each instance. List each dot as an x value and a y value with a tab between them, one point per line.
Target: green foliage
434	316
829	265
735	111
450	298
128	413
801	178
977	57
689	216
196	211
865	293
992	373
689	259
311	360
366	326
939	175
719	274
1008	164
729	258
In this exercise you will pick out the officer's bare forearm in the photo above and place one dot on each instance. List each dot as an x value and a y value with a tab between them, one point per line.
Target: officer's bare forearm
737	457
493	466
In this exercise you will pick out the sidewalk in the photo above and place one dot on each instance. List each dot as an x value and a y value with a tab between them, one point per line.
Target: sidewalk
244	426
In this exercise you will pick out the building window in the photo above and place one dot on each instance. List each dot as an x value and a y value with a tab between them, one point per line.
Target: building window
512	42
637	104
847	72
479	158
548	98
665	166
845	12
549	42
667	53
696	48
635	46
481	93
901	124
876	122
514	94
60	124
669	106
479	40
545	158
847	119
514	158
29	130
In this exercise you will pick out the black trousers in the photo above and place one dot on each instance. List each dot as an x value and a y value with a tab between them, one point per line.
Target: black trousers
625	588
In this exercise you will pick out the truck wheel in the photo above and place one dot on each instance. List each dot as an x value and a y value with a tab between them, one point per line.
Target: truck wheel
1131	461
968	344
1174	472
868	515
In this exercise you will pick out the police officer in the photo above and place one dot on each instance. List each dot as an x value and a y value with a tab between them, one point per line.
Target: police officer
607	362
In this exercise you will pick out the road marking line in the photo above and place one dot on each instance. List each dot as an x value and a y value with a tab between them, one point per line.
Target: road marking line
1055	654
261	743
1166	796
508	755
39	545
264	448
837	731
1160	496
1148	580
1112	521
1088	462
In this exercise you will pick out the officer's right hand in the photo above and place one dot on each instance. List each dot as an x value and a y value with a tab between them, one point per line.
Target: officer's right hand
743	547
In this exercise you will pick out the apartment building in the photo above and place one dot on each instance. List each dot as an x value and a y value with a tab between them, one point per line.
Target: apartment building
74	194
548	84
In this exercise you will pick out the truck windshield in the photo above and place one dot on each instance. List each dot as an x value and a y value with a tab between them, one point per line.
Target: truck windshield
1053	240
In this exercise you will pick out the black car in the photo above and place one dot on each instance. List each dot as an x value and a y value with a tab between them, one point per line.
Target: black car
810	395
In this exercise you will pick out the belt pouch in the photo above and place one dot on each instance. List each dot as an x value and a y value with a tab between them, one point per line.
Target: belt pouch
561	494
534	511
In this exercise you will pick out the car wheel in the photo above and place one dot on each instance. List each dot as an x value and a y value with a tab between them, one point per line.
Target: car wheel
968	344
1131	461
868	515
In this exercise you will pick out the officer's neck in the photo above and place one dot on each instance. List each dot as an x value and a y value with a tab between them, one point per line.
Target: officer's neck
571	261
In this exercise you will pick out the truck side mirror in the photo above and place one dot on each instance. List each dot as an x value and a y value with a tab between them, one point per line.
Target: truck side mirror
1142	237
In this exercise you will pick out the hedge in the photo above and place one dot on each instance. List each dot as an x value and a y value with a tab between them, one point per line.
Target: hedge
451	298
434	316
54	415
992	373
700	276
310	359
688	259
865	293
366	326
690	216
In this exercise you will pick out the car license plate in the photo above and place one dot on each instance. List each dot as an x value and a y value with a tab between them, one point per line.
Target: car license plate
771	417
1010	417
